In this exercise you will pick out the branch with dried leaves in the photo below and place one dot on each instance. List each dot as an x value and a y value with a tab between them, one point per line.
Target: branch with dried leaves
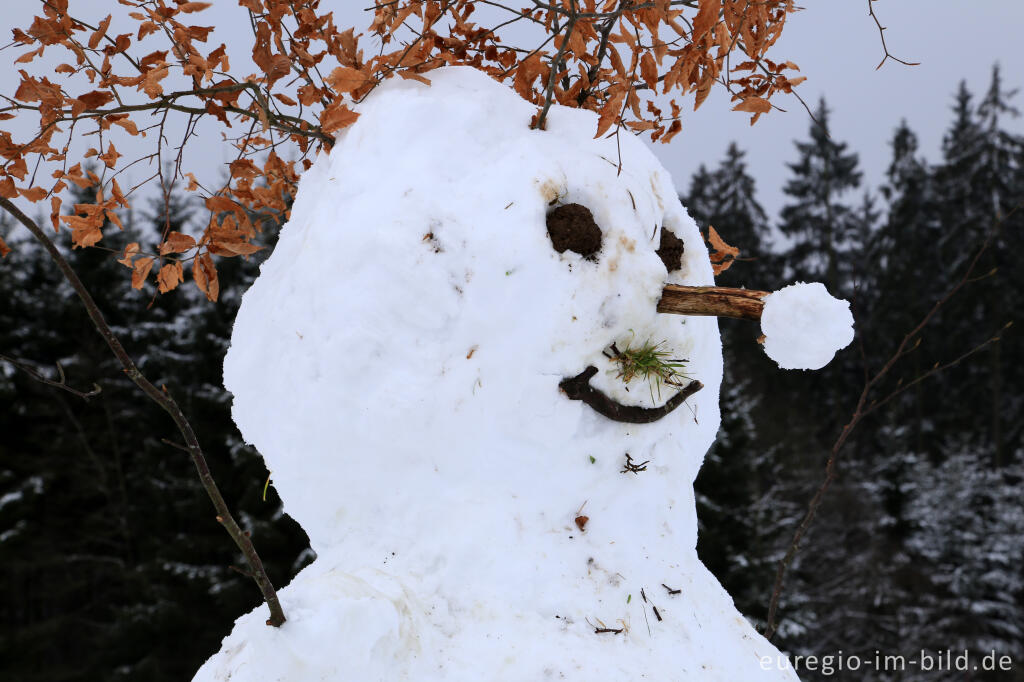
164	399
310	76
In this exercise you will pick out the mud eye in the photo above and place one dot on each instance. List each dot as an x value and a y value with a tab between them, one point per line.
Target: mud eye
572	228
670	251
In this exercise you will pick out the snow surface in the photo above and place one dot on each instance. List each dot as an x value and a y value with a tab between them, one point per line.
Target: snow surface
397	364
804	326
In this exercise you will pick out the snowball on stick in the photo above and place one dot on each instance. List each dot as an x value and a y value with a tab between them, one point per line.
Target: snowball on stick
803	325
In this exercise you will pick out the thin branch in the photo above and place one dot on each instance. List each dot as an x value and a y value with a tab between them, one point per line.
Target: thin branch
556	61
60	383
164	399
881	35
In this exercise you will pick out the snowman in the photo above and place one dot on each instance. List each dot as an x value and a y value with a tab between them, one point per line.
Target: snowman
435	365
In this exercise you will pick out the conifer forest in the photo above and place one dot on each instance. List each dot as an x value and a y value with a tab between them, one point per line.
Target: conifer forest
113	567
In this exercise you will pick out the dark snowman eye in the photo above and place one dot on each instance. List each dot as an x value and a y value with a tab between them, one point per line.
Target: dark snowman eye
572	228
670	251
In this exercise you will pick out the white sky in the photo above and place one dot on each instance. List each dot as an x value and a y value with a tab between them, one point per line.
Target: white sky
834	42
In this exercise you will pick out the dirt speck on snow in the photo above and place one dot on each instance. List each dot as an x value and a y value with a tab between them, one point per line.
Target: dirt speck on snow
572	227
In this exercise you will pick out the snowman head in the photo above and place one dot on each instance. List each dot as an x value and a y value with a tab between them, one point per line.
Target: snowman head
398	362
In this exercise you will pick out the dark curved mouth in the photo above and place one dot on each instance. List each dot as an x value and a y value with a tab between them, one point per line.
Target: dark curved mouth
579	388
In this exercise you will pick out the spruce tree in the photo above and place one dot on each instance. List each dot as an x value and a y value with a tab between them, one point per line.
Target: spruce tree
118	568
821	227
738	491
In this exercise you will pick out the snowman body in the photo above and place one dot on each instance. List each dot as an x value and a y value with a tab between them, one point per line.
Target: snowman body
398	363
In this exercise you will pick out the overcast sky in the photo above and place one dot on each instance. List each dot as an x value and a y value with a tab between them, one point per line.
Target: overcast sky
837	47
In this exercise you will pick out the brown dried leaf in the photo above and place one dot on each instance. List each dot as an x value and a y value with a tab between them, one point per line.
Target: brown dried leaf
724	255
707	17
33	194
177	242
345	80
4	249
7	188
413	76
151	84
169	277
233	247
45	31
528	71
193	6
95	99
649	70
55	202
754	105
97	36
111	156
611	110
141	272
29	56
114	218
205	274
130	252
336	117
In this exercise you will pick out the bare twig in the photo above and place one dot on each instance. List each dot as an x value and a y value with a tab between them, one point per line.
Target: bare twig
881	35
60	383
556	66
168	404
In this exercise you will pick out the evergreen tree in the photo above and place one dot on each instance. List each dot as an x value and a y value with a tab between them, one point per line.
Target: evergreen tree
119	568
727	199
700	200
979	189
820	226
738	489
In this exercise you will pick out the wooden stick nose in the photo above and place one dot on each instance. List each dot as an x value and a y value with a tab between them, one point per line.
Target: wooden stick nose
744	304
